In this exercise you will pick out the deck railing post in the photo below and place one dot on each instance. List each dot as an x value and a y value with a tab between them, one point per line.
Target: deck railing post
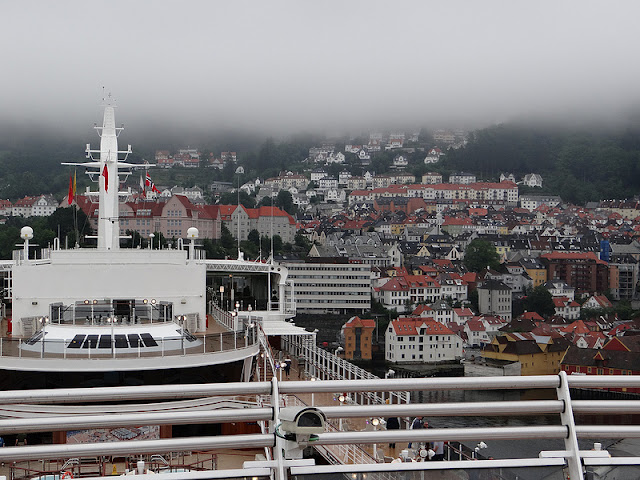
574	463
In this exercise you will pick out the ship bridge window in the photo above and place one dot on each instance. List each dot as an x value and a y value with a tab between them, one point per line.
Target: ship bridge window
90	342
134	340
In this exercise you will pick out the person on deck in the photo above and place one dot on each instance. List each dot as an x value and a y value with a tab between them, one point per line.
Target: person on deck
416	425
393	423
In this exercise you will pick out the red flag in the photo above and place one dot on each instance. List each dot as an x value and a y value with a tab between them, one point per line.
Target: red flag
149	183
105	174
71	191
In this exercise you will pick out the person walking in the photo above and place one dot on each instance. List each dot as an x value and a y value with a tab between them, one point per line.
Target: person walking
393	423
21	439
415	425
438	448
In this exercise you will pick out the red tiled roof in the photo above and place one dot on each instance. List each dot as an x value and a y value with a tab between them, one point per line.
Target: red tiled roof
411	326
578	327
555	255
360	322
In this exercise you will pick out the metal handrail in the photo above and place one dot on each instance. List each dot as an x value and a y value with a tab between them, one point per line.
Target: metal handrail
325	365
570	458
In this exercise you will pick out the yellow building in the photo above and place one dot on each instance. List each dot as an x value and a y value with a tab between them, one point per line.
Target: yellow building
397	228
535	358
503	229
536	270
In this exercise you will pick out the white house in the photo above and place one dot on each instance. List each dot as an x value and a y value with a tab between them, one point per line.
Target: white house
462	178
400	162
421	340
532	180
328	182
567	308
317	174
433	156
44	206
335	158
335	195
431	178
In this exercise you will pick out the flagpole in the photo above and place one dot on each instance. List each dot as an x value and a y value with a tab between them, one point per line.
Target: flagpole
75	210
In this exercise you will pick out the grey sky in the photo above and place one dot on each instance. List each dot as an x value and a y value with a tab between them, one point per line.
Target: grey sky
320	64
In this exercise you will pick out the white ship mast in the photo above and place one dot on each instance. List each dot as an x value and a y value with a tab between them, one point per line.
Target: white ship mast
108	179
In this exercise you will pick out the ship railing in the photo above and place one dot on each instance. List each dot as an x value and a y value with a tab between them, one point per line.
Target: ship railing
45	256
222	316
289	299
100	312
562	410
165	347
268	368
565	423
325	365
335	454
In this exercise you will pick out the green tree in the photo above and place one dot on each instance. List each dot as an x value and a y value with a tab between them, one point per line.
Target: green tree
134	240
213	249
254	237
226	239
284	201
540	301
302	242
481	254
277	244
231	198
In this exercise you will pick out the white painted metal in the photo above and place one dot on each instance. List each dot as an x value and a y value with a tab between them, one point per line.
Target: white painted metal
606	406
33	452
571	457
539	407
413	466
251	472
63	423
570	440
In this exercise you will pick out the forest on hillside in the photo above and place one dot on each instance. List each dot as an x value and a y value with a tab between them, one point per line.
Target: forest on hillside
579	165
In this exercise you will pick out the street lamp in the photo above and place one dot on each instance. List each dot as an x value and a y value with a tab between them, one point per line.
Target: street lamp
341	399
221	300
313	398
390	373
375	422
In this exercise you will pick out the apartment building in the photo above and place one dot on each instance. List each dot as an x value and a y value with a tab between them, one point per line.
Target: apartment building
331	287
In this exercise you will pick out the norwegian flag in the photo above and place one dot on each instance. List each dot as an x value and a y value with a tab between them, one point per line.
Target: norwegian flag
150	185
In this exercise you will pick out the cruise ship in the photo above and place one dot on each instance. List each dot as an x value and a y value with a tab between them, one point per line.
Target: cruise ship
109	316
